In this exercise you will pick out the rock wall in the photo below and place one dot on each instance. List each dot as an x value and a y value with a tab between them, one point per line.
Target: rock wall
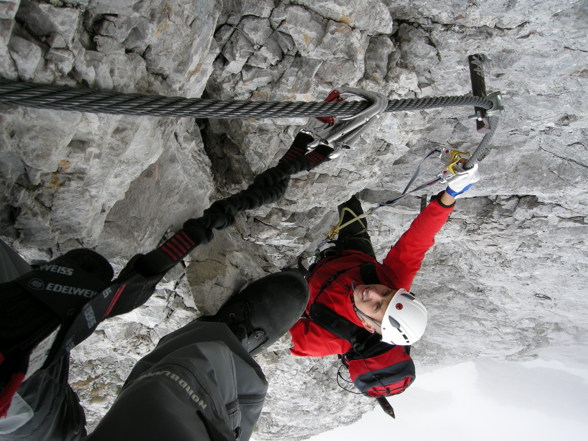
507	275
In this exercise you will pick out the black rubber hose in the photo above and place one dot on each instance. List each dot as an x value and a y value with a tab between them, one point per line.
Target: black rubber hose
483	148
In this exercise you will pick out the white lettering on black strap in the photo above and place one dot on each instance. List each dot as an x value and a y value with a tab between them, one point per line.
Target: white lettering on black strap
63	270
71	290
182	383
107	292
89	315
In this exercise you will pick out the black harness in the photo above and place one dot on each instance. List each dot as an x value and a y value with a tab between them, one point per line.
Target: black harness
364	343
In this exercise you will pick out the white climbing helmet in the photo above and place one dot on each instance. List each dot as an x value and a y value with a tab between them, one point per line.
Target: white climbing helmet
405	319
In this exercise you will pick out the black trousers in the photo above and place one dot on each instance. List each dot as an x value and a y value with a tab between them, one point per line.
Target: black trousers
355	235
198	383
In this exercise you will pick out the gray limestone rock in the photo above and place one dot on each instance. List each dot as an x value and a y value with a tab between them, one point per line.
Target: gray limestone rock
306	28
8	68
178	184
44	19
8	9
267	55
60	61
236	52
26	55
377	57
256	30
367	15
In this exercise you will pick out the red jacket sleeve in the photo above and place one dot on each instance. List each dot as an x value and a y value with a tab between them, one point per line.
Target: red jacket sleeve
405	257
310	340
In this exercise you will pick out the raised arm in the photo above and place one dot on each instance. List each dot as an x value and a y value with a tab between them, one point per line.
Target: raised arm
406	256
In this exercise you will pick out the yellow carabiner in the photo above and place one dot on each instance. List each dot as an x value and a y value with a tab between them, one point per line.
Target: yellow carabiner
335	229
454	157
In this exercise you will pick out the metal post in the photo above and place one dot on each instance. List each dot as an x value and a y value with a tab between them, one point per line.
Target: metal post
476	62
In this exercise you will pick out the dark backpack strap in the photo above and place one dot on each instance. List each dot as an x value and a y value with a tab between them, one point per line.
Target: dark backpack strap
369	275
328	282
367	271
365	344
333	322
386	406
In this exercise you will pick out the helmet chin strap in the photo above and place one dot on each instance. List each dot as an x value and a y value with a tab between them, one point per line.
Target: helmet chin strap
363	316
360	314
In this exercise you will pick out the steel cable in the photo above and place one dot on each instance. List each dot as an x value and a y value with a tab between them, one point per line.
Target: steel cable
87	100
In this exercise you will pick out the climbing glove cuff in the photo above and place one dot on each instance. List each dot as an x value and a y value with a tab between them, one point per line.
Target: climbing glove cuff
463	180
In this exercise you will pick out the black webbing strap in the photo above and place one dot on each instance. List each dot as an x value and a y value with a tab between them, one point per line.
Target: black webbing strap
367	271
135	286
369	275
365	344
267	187
138	280
386	406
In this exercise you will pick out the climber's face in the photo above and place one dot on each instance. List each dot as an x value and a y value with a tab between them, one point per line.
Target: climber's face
371	301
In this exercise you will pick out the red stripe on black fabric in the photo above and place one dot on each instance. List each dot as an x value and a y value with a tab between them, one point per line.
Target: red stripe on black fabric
183	242
314	158
169	252
117	294
293	153
187	238
179	244
8	392
326	119
178	254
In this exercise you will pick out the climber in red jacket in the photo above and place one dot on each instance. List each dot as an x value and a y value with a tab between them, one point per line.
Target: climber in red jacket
350	281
